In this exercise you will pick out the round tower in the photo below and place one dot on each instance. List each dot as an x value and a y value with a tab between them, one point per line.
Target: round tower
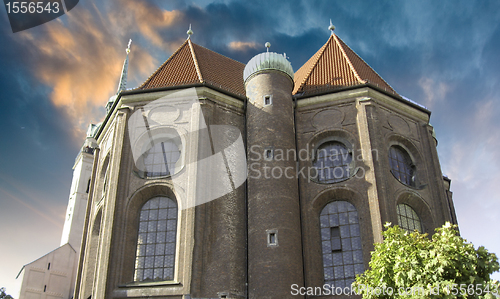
274	229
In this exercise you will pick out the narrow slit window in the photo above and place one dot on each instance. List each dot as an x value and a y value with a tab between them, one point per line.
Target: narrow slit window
48	267
88	186
272	238
45	288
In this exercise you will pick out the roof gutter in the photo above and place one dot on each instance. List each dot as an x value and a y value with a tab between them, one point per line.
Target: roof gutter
372	86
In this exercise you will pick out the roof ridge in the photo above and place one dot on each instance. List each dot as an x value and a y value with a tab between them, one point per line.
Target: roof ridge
195	60
162	65
321	51
369	67
205	48
348	60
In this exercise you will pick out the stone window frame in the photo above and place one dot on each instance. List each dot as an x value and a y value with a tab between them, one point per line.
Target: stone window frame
407	174
158	217
265	98
348	222
312	251
183	239
415	156
332	137
413	199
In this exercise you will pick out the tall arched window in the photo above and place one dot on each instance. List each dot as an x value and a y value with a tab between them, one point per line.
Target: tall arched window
332	162
155	257
341	243
408	219
401	165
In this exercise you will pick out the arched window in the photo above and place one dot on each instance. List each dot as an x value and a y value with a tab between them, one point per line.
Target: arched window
408	218
161	159
341	243
401	165
332	162
155	257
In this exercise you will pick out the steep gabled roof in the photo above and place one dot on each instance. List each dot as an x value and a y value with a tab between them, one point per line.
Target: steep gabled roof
192	64
335	66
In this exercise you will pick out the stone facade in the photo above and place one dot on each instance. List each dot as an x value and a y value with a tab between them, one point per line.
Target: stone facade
256	239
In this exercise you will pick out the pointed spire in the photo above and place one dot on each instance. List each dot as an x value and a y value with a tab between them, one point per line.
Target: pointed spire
331	27
189	32
122	85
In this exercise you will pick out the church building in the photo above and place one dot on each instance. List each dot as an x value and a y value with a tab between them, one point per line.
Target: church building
218	179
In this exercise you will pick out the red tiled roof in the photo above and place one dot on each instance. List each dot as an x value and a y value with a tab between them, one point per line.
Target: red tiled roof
192	64
335	66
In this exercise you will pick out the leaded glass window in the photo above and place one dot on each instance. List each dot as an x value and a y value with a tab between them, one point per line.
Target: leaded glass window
408	219
161	159
333	162
401	165
155	257
341	244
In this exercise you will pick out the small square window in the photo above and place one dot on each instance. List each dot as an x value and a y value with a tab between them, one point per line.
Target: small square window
272	237
268	154
268	100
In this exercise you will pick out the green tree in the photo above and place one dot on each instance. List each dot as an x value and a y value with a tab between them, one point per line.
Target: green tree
3	295
412	265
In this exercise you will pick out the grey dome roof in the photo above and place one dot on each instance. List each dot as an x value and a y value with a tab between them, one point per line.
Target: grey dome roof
268	61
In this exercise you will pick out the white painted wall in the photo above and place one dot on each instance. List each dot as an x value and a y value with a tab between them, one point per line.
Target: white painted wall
41	281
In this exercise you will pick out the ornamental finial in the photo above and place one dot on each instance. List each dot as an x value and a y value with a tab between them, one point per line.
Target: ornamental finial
268	45
128	47
331	27
189	32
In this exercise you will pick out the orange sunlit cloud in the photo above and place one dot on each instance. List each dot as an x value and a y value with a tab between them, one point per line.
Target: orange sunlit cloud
243	46
82	62
148	18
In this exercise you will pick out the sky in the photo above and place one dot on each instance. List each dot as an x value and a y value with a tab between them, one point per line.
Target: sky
56	78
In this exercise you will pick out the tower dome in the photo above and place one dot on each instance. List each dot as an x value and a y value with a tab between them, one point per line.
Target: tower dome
268	61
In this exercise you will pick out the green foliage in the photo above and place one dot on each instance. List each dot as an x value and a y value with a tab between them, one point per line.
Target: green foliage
3	295
411	265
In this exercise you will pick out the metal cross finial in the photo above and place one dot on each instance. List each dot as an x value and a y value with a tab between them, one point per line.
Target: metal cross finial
189	32
128	47
331	27
268	45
